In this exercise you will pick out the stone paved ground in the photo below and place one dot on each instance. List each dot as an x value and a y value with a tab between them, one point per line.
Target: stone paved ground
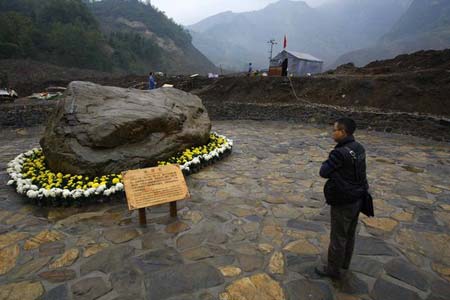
254	229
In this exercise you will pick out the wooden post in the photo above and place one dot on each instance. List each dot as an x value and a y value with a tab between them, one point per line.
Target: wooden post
142	217
173	209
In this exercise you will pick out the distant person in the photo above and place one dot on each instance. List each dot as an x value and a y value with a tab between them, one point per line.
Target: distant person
151	81
250	69
284	68
346	191
12	92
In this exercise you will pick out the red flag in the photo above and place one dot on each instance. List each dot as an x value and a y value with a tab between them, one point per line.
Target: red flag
285	42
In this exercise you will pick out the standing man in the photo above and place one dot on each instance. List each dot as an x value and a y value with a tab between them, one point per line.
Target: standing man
250	69
151	81
346	192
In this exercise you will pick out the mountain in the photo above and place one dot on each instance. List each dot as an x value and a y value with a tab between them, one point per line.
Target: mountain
328	31
422	17
360	21
60	32
108	35
142	38
234	39
425	25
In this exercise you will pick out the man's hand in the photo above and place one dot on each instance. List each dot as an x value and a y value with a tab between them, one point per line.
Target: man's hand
333	163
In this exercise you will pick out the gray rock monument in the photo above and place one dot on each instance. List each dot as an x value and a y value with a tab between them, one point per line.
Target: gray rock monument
98	130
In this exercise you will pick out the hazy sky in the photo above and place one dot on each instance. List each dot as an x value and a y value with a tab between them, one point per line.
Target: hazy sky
188	12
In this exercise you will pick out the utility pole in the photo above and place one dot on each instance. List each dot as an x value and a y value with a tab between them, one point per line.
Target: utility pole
272	42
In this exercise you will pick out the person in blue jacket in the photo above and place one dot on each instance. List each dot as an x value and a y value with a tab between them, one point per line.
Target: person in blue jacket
151	81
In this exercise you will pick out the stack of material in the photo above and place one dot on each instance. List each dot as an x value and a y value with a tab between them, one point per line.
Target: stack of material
45	96
8	95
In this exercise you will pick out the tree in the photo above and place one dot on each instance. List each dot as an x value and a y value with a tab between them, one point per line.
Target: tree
66	11
74	46
15	35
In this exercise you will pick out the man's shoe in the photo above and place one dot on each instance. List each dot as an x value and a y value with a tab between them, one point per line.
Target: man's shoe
324	271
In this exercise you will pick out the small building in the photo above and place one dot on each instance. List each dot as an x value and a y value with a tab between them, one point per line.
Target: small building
295	64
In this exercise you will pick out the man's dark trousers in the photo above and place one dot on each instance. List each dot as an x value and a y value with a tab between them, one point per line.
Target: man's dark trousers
344	219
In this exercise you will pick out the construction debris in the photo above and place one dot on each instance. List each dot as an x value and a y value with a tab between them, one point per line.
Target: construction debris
46	96
8	95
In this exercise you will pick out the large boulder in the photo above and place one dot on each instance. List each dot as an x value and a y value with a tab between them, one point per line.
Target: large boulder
99	130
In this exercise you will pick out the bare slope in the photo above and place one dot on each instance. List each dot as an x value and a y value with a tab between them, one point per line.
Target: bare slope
411	83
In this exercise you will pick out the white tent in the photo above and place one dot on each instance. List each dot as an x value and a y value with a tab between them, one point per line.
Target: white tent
296	63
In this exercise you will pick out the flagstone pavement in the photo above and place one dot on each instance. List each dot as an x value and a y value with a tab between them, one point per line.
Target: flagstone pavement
255	227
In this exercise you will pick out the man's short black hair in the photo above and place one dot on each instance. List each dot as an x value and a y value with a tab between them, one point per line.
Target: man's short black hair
349	125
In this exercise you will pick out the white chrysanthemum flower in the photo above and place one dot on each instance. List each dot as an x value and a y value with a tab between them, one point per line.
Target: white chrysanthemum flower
10	182
66	193
77	194
101	188
32	194
58	192
119	186
52	193
89	192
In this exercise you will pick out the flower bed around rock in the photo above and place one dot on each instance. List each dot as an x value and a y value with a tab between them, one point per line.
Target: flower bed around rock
31	177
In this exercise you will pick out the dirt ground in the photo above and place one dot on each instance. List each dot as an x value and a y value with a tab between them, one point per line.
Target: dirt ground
419	82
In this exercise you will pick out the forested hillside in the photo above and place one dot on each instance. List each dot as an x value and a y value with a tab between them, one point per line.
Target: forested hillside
57	31
108	35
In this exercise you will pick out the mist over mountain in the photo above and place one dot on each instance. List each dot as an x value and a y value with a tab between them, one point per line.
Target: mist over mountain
327	32
425	25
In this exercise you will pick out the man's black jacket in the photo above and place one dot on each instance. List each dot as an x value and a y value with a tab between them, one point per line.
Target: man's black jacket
346	173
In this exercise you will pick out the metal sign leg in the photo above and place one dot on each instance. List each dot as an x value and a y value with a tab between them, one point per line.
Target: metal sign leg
142	217
173	209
